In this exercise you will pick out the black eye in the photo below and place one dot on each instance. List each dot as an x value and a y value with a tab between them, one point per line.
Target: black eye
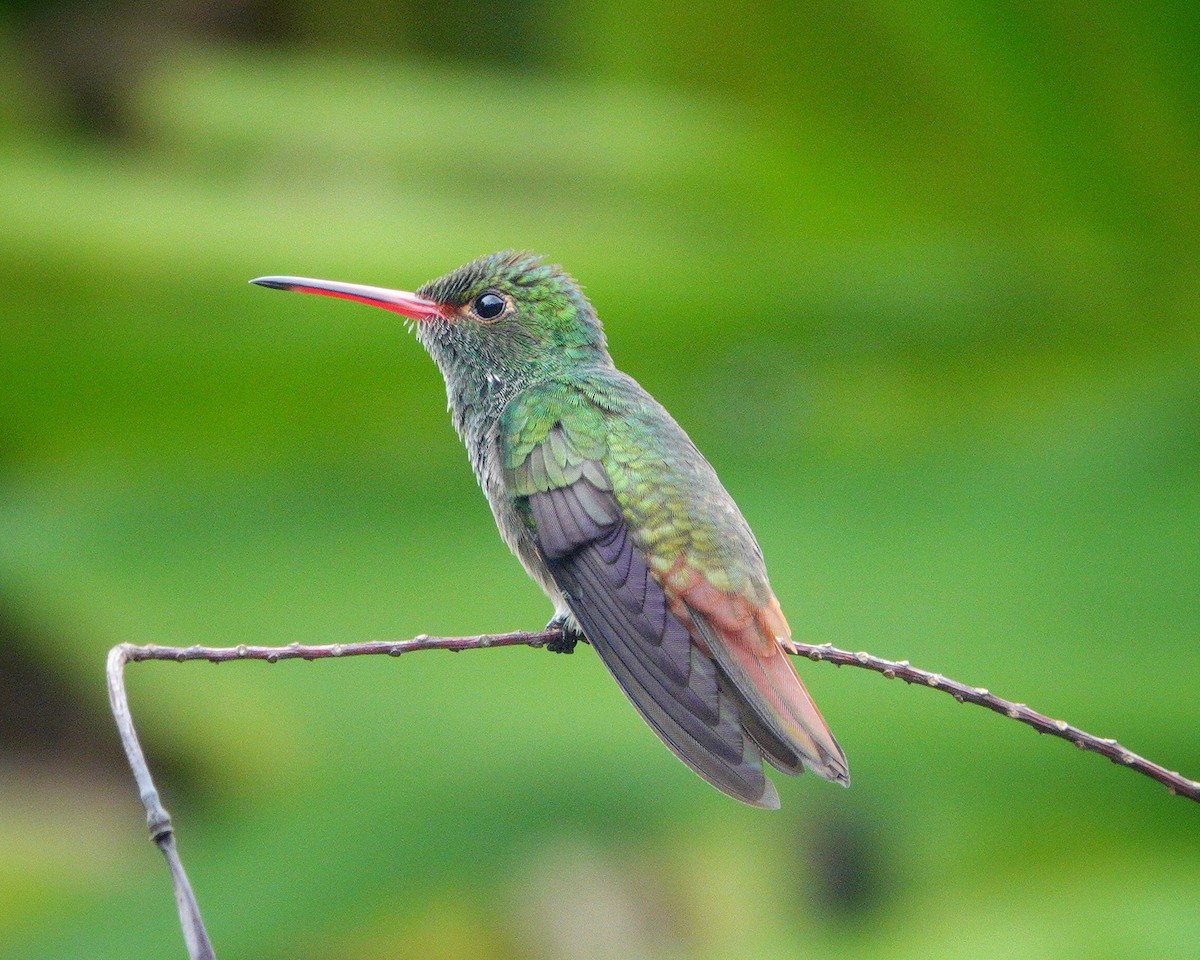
488	306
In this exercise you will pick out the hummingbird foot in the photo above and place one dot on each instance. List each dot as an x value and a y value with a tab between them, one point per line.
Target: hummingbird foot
571	634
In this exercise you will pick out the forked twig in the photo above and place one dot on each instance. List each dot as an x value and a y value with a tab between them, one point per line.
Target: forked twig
161	832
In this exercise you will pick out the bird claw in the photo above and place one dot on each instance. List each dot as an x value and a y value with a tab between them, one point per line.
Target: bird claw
570	635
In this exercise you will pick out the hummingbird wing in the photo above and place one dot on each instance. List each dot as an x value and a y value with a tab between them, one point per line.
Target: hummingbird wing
701	664
578	528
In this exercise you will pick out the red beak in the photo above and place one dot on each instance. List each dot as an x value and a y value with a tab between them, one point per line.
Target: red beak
406	304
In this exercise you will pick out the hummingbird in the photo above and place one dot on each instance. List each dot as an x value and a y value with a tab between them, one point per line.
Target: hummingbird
617	516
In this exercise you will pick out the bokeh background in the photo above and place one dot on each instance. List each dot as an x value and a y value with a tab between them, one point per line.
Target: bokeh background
922	281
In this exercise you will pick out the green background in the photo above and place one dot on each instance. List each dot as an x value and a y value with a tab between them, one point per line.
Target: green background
920	279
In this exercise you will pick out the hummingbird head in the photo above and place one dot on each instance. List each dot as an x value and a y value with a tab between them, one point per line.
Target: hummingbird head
506	317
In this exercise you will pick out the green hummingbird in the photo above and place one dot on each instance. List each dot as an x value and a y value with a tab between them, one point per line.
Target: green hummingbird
617	516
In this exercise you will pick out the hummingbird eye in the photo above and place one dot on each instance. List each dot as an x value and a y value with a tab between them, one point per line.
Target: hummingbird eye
488	306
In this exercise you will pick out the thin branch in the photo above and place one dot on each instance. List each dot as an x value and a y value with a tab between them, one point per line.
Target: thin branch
161	832
199	947
892	669
195	936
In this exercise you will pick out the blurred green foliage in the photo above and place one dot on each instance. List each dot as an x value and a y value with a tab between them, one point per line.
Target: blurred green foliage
921	281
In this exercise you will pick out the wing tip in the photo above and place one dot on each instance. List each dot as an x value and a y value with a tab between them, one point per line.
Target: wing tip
769	799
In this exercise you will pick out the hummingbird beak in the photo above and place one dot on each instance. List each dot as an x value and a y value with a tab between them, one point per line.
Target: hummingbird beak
406	304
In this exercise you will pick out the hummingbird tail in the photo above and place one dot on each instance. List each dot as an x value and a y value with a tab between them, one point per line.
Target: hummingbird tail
750	647
783	720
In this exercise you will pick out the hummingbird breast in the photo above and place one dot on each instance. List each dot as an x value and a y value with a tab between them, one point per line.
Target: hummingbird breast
476	405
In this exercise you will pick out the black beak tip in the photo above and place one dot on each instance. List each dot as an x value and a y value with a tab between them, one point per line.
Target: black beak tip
275	283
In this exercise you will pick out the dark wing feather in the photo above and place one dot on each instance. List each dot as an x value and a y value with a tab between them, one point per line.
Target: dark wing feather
623	611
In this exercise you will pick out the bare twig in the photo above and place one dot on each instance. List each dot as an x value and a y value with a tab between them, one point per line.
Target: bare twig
893	669
198	945
161	832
